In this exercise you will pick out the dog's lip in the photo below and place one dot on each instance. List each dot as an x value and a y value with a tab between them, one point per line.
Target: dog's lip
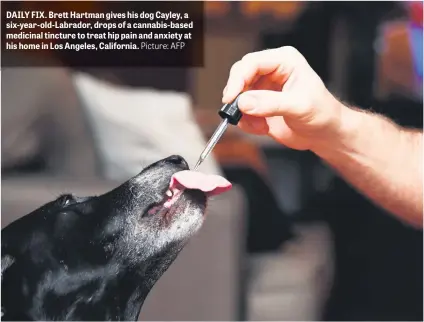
170	197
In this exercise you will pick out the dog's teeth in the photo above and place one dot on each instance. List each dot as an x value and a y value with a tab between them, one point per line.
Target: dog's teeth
169	193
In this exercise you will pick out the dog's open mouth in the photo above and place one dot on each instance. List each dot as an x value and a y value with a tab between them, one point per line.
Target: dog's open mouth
211	185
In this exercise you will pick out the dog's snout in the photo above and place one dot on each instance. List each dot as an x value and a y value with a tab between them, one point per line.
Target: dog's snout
178	160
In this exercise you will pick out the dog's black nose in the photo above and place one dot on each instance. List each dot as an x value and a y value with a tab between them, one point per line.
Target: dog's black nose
176	159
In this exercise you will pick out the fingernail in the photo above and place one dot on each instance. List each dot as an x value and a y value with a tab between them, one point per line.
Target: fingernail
247	102
231	92
224	91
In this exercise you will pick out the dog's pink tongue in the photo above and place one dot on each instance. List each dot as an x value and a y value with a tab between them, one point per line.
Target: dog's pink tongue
210	184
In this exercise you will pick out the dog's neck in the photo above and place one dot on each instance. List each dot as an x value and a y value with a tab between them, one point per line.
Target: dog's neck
136	281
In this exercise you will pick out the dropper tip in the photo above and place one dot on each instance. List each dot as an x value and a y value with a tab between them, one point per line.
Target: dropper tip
197	164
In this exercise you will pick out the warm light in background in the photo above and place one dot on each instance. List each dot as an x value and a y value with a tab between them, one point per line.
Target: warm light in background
416	12
284	9
217	8
254	9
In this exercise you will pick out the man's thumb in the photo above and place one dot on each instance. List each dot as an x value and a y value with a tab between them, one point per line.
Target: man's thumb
267	103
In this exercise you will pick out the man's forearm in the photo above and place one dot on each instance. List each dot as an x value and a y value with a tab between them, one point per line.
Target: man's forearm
382	160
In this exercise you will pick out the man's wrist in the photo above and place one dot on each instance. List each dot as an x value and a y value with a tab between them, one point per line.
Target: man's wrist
345	138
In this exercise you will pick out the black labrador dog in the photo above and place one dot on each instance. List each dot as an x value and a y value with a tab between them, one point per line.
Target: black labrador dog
97	258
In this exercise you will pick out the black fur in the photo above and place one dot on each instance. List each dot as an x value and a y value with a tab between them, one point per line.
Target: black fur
96	258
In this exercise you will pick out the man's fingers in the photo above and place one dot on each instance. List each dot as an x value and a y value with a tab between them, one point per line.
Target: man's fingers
272	103
244	71
259	63
254	125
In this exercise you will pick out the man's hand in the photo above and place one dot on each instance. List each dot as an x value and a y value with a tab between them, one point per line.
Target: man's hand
286	99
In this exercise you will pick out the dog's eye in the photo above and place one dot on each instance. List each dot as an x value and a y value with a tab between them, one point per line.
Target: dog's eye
66	200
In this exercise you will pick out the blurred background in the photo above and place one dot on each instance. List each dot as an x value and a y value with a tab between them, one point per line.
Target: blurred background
292	241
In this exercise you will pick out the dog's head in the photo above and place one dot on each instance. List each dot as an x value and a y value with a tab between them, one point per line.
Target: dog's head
148	216
98	257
